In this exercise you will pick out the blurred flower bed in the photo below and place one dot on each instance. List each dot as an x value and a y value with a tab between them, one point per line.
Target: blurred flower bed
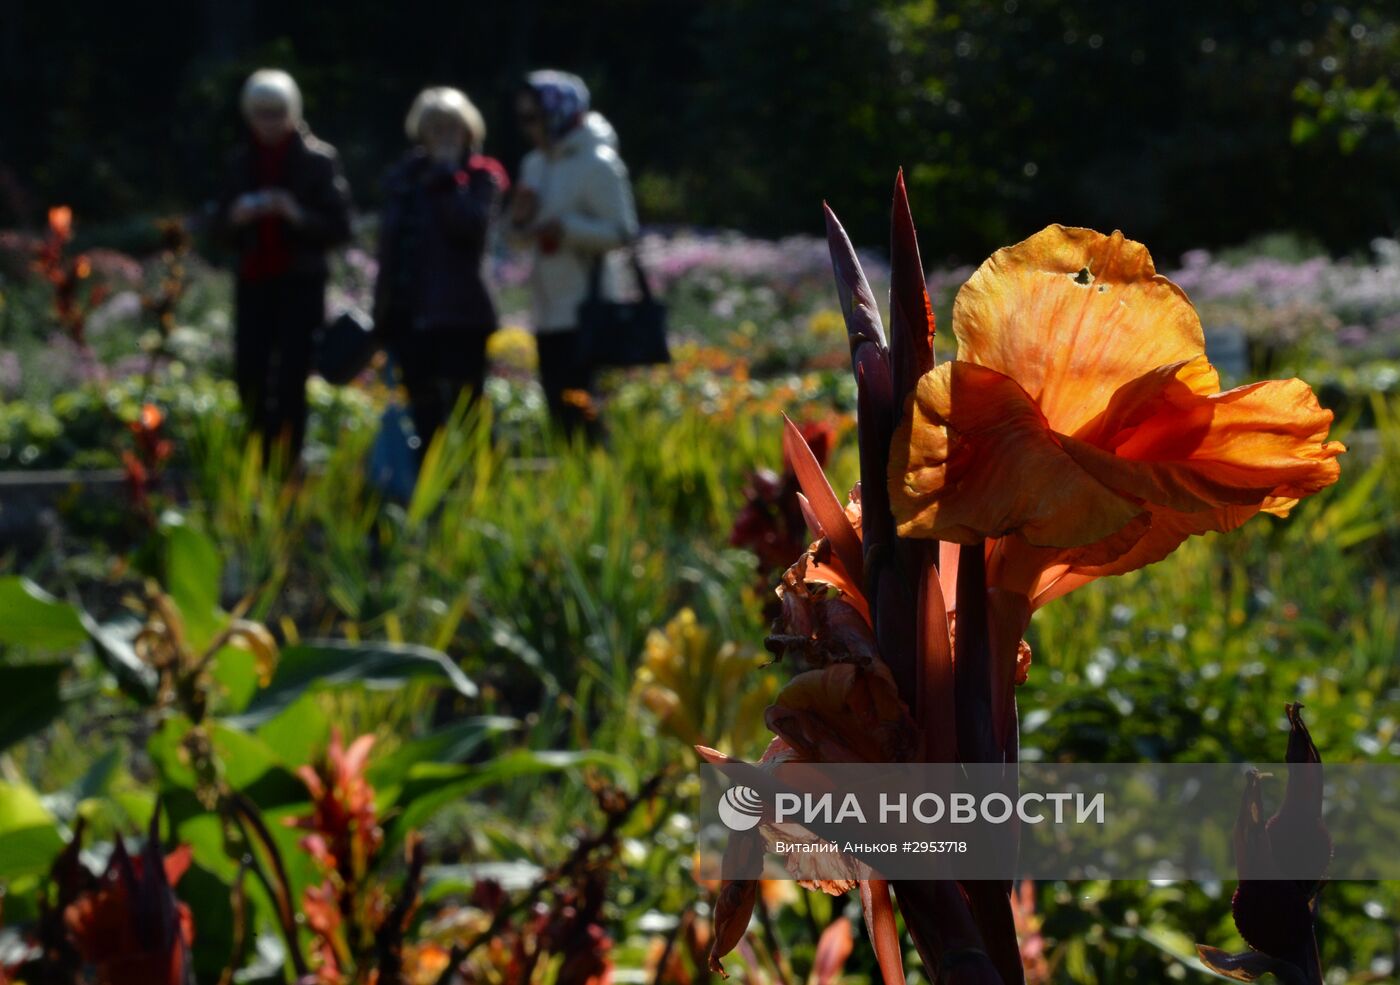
753	324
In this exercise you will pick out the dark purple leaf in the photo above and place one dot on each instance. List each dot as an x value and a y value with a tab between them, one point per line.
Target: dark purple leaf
857	303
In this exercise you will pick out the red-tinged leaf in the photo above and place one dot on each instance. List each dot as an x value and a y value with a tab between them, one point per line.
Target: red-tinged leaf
857	302
887	586
937	715
875	414
880	925
1296	831
896	621
714	757
991	908
1008	616
833	948
831	570
1253	860
1248	966
972	659
827	509
940	924
948	572
733	910
810	517
833	574
911	314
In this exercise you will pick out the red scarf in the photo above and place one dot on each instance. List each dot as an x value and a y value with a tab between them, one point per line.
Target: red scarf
270	255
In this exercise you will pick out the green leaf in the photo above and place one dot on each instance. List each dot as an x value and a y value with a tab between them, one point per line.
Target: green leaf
1305	129
34	618
111	642
97	780
432	786
332	664
298	732
41	702
1178	946
90	788
449	745
192	575
247	763
29	835
234	672
208	897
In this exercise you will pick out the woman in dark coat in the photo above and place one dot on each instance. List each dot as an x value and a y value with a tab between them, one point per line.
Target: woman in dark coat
432	303
284	206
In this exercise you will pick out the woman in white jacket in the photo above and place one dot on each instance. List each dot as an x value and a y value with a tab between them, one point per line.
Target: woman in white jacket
572	208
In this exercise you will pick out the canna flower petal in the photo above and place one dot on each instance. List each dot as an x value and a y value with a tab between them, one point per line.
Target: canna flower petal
1082	428
975	458
1191	452
1073	315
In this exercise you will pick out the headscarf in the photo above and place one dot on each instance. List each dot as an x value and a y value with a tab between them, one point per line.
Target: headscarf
563	99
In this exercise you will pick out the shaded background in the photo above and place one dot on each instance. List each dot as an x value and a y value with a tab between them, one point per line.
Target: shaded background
1194	124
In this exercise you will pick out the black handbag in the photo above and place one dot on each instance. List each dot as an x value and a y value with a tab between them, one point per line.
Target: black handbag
345	347
622	334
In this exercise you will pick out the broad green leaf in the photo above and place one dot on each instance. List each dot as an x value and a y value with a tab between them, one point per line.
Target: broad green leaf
34	618
192	574
1176	944
22	899
91	787
111	642
246	763
35	700
234	672
136	804
204	832
98	778
452	744
299	732
431	786
333	664
29	835
166	752
208	897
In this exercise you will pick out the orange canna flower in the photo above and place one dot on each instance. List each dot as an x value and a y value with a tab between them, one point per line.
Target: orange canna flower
61	222
149	419
1081	431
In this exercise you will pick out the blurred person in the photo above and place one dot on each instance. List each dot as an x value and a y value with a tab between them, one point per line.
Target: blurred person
432	303
284	205
572	207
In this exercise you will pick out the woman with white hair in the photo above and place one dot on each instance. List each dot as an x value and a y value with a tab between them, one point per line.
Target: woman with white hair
284	205
573	208
432	303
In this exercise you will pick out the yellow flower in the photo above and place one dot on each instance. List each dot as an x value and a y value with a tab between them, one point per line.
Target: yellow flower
513	347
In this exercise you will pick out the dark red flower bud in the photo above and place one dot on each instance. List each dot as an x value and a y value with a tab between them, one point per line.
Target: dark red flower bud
1297	836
